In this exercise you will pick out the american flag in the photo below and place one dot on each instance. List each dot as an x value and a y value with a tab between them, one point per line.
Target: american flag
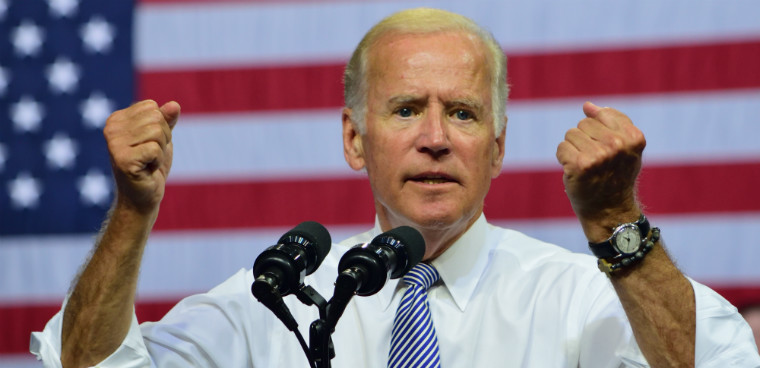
258	147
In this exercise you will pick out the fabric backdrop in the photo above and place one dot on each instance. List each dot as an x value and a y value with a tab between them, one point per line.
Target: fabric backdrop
258	147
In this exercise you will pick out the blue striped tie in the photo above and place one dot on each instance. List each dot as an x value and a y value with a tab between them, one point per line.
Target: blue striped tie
414	342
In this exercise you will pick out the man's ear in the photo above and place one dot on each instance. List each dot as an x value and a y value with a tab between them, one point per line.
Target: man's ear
352	141
497	157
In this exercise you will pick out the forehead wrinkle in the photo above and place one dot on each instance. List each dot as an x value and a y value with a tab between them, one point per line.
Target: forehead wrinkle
387	68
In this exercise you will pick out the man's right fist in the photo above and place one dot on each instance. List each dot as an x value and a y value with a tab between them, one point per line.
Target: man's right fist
140	144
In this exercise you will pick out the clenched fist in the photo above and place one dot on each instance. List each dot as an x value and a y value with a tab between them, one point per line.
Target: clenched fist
140	144
601	159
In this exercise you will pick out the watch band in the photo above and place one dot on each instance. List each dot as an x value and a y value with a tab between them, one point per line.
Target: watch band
607	249
610	268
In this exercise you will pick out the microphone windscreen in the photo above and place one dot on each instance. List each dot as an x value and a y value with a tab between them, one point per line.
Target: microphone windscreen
316	234
415	244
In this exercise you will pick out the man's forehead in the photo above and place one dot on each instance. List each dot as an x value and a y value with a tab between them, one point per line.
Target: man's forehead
414	63
446	50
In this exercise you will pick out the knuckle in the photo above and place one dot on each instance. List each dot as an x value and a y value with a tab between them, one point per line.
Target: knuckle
154	130
638	139
151	150
146	104
586	123
572	132
615	143
154	115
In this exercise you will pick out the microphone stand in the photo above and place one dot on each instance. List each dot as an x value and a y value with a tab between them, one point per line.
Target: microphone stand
321	348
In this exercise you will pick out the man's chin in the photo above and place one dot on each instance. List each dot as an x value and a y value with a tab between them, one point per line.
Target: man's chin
437	219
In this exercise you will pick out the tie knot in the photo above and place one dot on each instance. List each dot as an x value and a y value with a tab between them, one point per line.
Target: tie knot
423	275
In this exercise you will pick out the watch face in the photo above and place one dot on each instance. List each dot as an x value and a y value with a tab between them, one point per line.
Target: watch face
628	240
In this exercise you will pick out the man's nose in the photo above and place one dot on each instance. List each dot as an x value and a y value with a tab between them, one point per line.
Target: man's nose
433	135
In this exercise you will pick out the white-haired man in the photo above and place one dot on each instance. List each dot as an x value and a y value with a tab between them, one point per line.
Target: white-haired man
424	116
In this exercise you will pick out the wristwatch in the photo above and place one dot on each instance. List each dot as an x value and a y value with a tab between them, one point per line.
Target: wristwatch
626	240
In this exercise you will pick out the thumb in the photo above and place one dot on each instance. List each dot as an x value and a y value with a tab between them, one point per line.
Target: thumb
170	110
590	109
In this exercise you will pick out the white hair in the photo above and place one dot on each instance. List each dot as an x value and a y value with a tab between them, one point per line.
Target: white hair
423	21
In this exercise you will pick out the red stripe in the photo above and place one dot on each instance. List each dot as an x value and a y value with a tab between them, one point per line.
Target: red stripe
706	188
608	72
18	322
741	296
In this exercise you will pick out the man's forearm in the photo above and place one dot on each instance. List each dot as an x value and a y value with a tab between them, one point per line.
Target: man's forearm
656	296
659	302
99	311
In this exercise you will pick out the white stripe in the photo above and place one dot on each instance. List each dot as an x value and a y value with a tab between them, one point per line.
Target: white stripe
685	127
169	36
18	361
708	248
39	268
258	146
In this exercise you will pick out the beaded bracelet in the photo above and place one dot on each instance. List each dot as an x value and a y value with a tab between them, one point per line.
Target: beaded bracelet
609	268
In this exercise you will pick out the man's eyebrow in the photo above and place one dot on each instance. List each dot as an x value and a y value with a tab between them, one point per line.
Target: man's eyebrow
405	99
415	100
469	102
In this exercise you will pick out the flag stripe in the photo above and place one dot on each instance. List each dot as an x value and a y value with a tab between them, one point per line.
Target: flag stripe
665	189
216	35
17	321
536	76
221	252
680	128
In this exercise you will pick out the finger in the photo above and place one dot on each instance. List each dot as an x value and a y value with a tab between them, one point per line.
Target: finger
150	126
608	116
566	153
149	157
590	109
579	139
170	111
594	128
140	107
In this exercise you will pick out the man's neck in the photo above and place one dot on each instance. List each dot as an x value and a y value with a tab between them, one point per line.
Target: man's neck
438	237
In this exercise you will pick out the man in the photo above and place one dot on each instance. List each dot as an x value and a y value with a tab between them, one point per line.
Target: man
424	116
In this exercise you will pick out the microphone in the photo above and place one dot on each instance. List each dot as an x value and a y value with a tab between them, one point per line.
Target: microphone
281	268
364	269
298	253
390	254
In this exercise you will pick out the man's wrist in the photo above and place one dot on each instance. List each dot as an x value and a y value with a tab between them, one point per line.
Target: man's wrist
602	225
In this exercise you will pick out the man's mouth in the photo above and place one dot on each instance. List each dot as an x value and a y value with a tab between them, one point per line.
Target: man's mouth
432	179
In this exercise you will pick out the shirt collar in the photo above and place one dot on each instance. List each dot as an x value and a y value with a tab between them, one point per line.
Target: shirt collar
460	266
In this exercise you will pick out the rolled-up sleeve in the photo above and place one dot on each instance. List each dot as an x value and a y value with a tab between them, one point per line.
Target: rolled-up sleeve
723	338
46	345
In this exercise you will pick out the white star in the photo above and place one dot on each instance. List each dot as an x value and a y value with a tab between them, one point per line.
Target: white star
25	191
63	75
27	114
95	110
27	38
97	35
94	188
60	151
5	77
3	8
63	8
3	156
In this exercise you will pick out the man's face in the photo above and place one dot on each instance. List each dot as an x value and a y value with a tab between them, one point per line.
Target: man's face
429	149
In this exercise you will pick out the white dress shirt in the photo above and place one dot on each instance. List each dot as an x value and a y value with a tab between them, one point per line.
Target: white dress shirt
504	300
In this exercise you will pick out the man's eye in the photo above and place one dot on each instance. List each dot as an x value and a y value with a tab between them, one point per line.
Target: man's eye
405	112
463	115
